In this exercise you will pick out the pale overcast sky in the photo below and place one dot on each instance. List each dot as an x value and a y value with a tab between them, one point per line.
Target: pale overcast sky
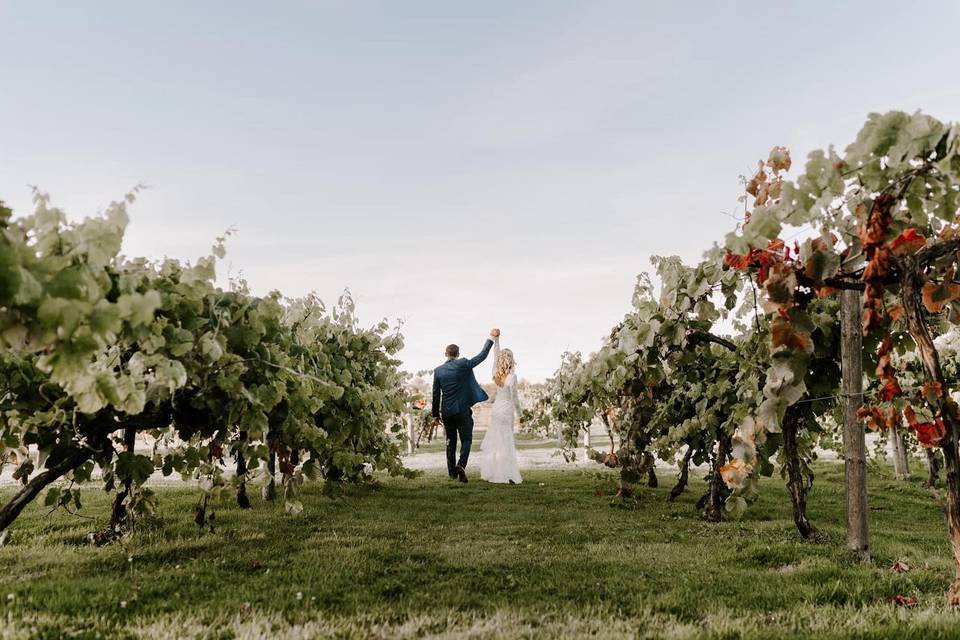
457	165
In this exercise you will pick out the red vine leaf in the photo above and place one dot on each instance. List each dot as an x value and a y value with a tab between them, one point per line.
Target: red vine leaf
937	295
876	418
783	334
822	262
760	259
753	186
949	232
910	415
874	230
885	370
929	434
737	261
873	416
781	285
890	390
905	601
932	392
871	320
907	243
873	233
900	567
734	473
779	159
879	266
826	292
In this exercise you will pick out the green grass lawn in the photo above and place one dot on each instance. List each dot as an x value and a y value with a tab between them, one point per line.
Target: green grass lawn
430	558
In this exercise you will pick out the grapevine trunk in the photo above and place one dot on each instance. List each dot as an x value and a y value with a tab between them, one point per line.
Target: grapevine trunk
715	500
933	468
32	489
118	513
941	404
797	484
681	485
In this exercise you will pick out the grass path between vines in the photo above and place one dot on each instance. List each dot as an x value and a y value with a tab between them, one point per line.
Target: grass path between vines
428	558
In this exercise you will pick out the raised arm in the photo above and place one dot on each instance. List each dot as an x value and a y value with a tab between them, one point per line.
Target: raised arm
496	355
480	357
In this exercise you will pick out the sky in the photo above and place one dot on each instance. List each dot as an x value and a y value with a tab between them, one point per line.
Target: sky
457	165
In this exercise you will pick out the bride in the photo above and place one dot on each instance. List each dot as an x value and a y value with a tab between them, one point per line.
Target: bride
499	461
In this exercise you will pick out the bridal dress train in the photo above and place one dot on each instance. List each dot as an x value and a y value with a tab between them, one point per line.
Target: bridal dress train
499	460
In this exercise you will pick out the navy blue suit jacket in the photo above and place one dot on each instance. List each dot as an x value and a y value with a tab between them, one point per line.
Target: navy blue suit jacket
455	388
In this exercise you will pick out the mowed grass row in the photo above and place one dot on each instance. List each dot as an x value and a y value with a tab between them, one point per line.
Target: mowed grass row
523	442
431	558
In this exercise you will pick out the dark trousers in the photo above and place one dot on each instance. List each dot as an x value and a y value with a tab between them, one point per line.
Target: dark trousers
461	425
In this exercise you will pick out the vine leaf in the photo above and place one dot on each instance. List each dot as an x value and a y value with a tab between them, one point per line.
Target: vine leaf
937	295
907	243
784	333
929	434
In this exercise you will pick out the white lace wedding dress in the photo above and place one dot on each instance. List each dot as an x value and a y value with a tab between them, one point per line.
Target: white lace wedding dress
499	460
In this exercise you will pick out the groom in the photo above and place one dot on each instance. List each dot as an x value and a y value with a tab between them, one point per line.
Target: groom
455	391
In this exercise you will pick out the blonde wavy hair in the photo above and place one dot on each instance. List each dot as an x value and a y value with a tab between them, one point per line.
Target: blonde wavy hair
505	364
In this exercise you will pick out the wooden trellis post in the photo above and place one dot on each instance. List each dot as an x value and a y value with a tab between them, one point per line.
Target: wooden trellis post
901	465
854	445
